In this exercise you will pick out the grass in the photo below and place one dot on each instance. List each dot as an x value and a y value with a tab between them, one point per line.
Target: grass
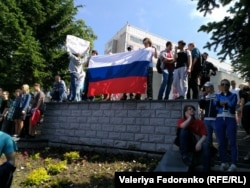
86	170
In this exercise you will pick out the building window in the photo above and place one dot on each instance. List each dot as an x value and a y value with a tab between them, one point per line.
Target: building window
135	39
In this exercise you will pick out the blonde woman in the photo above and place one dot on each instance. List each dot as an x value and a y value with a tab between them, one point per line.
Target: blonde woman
148	46
21	110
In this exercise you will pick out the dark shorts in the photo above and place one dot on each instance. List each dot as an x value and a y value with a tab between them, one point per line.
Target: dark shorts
19	115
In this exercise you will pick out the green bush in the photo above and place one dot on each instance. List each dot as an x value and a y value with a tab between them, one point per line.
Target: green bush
70	156
37	177
35	156
54	169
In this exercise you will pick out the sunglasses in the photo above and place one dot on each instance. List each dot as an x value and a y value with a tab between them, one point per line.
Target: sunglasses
224	84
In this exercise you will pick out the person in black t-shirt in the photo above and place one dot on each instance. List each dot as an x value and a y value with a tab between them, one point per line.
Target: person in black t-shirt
208	70
182	69
193	85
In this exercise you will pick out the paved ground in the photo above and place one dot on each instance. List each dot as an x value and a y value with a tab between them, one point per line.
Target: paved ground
172	162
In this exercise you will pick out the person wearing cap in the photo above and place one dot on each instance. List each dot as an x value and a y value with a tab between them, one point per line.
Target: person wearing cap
206	103
192	139
226	126
182	69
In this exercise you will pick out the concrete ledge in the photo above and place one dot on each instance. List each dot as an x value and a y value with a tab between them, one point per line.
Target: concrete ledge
23	143
99	149
144	126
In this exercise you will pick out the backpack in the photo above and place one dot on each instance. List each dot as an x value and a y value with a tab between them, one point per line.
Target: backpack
159	66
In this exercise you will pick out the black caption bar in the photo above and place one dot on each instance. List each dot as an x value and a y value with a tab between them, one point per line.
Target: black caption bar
173	179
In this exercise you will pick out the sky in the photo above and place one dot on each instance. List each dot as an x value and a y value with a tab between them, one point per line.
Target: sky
173	20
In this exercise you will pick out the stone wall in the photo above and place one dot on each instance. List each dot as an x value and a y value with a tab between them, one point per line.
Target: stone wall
135	126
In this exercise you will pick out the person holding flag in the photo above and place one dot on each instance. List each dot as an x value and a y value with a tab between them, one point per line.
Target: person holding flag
149	47
124	72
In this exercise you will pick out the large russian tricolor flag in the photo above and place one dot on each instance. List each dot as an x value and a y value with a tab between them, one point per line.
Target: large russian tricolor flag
124	72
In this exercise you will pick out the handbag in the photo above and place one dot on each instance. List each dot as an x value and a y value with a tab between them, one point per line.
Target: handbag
35	117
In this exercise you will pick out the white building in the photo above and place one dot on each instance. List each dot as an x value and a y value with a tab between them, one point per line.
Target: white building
132	36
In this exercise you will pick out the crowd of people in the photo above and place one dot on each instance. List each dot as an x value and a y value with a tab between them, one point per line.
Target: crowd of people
224	111
184	70
25	106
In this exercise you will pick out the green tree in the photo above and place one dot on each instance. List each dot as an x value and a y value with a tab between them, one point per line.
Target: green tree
232	34
32	38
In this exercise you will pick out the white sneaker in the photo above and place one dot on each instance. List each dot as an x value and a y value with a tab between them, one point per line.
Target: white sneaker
224	167
232	168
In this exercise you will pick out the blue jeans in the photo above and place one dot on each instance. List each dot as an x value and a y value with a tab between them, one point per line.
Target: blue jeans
79	87
226	130
187	146
78	92
210	129
72	90
166	84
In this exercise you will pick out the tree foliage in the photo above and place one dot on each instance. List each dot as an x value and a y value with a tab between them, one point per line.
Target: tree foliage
232	34
32	37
